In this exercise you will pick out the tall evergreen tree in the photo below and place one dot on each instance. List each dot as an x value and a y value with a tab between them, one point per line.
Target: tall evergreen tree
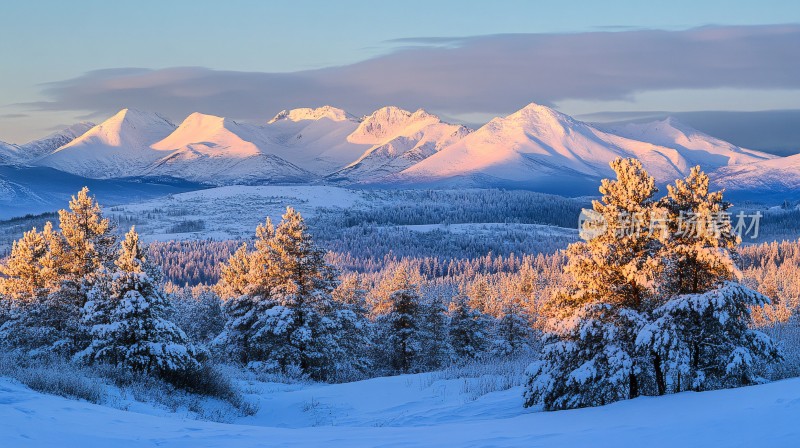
399	331
513	332
469	329
700	336
129	324
89	239
22	279
590	356
699	247
279	302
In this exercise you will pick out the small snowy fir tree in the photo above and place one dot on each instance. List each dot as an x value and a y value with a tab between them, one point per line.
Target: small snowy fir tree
513	330
469	330
355	331
22	279
399	331
590	356
128	317
398	312
436	348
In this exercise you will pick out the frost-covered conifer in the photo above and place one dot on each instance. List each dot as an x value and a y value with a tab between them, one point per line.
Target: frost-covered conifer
699	246
435	332
699	336
399	331
21	275
127	313
89	240
513	330
281	316
590	355
704	341
469	329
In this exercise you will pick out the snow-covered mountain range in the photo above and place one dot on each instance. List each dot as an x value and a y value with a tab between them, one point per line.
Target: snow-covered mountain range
533	148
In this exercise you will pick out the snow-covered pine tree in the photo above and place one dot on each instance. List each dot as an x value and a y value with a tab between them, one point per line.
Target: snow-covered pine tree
704	341
127	313
513	331
699	246
35	318
469	329
21	275
399	331
398	313
281	316
701	336
355	331
89	242
436	349
590	355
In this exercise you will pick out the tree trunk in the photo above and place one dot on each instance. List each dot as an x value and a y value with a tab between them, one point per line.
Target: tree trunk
660	381
633	386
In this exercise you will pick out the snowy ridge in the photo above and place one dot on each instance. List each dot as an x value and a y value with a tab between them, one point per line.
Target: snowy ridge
305	113
698	148
8	153
36	149
118	147
781	174
403	151
537	142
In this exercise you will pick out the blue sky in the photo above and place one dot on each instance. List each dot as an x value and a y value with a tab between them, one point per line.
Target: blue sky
55	52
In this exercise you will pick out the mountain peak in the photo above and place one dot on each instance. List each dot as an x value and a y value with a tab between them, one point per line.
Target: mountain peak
136	117
201	120
307	113
538	112
129	128
388	121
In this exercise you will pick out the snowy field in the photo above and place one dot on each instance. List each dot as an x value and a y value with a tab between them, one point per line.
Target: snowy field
230	212
413	410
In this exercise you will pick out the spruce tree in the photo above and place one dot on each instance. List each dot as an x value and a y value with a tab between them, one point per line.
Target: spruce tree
469	330
699	246
281	316
22	279
513	332
128	318
400	333
89	240
700	336
590	355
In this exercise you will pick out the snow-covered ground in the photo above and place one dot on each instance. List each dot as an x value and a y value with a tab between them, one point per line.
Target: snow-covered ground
493	227
414	410
231	212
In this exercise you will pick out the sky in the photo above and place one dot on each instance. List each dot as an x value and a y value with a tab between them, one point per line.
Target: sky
721	65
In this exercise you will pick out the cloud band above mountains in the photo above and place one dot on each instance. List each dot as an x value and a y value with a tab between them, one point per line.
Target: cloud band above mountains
483	74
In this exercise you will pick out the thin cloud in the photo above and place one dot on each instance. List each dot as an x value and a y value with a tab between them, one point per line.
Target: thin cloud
460	75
